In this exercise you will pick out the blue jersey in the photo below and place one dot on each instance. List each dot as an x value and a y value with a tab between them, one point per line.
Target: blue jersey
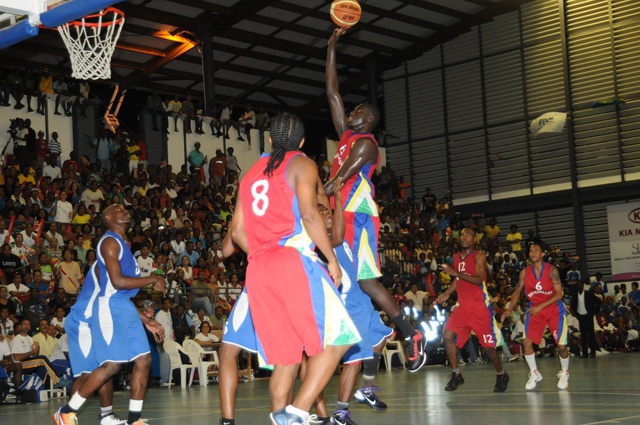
87	295
129	267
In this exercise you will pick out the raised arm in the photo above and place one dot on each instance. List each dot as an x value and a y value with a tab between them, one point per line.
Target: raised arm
110	251
364	151
336	106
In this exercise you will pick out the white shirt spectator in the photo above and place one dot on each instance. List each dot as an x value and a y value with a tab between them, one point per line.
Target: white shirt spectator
52	171
417	298
211	337
28	240
164	318
90	197
55	322
5	350
56	235
225	114
64	209
146	266
21	344
6	329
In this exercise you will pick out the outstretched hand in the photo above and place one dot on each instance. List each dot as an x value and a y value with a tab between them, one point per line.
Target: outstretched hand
337	187
337	33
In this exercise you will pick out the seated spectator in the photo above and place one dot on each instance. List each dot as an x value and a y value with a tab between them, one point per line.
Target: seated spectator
218	319
8	364
46	342
205	339
58	321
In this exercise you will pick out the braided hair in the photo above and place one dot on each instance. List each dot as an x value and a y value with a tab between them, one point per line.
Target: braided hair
287	131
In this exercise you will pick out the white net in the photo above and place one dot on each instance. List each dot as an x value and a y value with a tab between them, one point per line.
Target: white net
91	42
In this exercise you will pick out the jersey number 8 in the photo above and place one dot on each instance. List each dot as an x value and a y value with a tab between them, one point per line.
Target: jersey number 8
260	200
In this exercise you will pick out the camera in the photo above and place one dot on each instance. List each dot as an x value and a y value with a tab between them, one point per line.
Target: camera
13	126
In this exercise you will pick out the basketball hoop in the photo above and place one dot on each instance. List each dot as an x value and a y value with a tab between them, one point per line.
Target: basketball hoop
91	42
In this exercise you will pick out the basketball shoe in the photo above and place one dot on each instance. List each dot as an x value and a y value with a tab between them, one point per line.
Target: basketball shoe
456	379
367	395
342	417
60	418
283	417
416	349
502	381
534	378
563	382
111	419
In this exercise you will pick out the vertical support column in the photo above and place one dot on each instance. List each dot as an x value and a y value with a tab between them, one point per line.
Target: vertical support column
371	68
208	67
575	194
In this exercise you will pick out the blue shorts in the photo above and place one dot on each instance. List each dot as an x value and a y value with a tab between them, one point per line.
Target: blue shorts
239	328
81	349
119	335
371	329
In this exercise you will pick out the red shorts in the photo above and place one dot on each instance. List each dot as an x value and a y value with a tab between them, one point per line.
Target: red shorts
481	321
554	316
295	306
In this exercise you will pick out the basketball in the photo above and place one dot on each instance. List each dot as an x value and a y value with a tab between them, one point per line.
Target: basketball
345	13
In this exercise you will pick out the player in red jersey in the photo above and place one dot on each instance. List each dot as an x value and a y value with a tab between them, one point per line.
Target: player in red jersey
355	162
293	303
474	312
542	286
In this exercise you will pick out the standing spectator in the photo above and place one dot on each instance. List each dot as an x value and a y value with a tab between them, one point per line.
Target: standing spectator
232	163
55	148
42	148
514	238
217	167
417	297
102	145
196	158
584	306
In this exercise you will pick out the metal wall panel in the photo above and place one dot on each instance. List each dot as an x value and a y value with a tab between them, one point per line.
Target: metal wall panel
464	96
430	165
425	105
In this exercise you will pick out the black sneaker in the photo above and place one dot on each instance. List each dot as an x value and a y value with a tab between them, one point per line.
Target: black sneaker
501	383
416	349
367	395
342	417
456	379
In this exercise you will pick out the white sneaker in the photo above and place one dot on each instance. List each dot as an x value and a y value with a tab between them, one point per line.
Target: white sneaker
534	378
461	363
112	419
563	382
603	351
514	358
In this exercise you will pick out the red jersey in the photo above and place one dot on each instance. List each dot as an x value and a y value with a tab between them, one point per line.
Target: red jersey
358	191
470	296
538	288
270	209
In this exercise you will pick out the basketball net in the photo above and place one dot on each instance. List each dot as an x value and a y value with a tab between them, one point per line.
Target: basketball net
91	42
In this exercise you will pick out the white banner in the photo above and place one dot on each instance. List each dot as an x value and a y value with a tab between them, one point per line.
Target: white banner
551	122
624	240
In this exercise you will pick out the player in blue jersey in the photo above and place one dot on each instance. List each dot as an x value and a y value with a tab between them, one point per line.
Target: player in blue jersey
111	308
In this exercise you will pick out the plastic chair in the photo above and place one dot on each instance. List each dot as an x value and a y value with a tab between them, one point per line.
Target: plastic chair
196	354
391	348
173	349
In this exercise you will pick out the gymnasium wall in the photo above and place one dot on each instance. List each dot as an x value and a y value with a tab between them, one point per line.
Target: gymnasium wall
461	113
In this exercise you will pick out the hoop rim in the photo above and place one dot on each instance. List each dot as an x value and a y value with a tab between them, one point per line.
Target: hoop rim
83	23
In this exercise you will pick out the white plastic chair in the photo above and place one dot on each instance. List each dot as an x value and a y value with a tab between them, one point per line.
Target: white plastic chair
196	353
173	349
391	348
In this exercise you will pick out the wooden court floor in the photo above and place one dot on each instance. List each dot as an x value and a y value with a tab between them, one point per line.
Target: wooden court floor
603	390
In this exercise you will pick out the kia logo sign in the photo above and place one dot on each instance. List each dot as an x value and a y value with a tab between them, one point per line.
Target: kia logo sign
634	216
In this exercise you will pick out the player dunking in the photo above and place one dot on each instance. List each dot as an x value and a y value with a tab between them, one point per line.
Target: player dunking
113	333
542	286
277	223
355	162
474	312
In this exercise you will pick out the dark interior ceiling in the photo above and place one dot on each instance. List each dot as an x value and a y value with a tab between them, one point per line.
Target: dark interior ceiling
266	52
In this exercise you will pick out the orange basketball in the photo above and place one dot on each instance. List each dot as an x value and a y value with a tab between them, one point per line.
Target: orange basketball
345	13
